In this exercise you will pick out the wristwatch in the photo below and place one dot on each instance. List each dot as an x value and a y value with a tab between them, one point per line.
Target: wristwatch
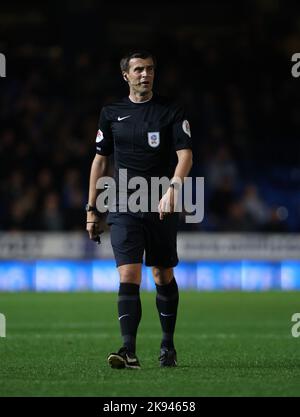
88	207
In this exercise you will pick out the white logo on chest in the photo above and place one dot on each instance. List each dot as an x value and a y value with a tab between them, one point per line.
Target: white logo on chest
153	139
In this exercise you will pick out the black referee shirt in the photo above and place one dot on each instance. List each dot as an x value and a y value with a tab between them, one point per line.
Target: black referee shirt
143	136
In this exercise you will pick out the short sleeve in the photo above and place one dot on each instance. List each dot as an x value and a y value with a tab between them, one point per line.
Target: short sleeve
182	138
104	138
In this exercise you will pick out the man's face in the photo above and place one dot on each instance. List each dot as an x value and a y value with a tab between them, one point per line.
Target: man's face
140	75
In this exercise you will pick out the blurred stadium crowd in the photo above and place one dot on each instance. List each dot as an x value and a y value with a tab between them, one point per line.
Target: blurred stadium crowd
241	99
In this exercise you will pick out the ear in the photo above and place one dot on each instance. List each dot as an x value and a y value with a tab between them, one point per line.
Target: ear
125	76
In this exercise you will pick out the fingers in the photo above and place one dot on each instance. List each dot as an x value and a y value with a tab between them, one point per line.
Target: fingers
92	230
92	234
160	210
166	206
163	212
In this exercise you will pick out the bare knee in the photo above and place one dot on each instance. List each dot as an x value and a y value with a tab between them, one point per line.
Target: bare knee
130	274
162	276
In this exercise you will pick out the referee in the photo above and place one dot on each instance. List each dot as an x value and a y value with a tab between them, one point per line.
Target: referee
145	132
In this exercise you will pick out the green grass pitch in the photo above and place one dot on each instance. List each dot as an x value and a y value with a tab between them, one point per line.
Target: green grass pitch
228	344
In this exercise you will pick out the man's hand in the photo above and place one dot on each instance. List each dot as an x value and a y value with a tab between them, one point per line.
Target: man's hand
93	225
168	202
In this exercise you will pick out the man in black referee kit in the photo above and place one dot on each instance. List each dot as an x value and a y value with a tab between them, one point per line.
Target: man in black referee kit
145	132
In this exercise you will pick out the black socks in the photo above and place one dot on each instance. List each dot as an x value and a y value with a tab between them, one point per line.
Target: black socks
130	312
167	302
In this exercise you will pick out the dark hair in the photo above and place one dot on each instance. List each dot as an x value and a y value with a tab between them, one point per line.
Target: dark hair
124	63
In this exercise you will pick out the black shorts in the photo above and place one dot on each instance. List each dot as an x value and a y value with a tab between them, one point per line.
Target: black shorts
132	234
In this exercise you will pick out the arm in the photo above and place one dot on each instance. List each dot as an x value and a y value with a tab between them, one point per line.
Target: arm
98	169
183	167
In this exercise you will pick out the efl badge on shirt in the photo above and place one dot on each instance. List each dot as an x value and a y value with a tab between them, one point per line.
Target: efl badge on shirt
153	139
99	136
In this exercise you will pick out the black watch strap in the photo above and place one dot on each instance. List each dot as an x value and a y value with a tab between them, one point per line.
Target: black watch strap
88	207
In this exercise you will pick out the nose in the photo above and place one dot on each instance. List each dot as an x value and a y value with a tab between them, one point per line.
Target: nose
146	72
